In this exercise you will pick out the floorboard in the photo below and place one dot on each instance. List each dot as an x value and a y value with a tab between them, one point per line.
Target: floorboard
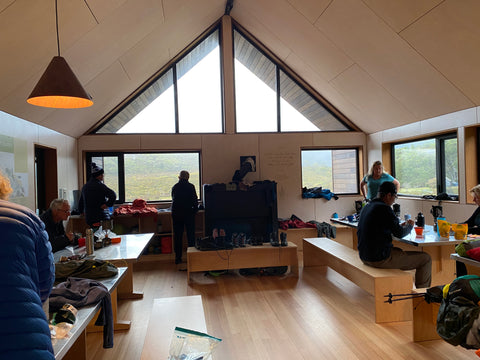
319	315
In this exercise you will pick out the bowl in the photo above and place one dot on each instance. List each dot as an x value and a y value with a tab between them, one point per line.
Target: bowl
418	230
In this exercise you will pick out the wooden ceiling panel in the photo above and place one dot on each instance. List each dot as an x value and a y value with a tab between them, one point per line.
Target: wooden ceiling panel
104	8
382	110
311	45
102	46
310	9
381	53
448	37
399	14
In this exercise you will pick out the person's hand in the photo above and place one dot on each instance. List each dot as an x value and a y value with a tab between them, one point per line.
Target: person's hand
70	236
410	222
104	207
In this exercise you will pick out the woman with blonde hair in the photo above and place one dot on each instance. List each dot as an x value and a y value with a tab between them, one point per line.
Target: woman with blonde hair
5	188
473	221
372	181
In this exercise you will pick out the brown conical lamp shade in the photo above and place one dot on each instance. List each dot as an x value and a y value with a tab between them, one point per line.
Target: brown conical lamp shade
59	88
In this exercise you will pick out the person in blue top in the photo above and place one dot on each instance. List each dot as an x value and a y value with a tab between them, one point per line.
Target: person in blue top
28	273
372	181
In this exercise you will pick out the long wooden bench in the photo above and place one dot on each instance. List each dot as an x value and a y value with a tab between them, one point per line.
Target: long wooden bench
167	313
377	282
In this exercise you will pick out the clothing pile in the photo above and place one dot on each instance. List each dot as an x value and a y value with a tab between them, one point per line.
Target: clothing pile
318	192
294	222
139	206
81	292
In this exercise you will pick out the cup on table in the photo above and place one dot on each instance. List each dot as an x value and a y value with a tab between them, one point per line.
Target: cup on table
407	217
418	230
350	218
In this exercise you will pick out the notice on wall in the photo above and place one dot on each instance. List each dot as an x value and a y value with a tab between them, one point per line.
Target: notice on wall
281	159
14	164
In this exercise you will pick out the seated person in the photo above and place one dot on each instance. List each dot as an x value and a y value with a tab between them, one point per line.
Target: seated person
376	226
473	221
53	218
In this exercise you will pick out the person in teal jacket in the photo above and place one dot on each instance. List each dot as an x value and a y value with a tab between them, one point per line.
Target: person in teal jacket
372	181
28	273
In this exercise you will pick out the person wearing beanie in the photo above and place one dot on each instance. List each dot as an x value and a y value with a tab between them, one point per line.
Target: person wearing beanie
376	226
184	208
96	198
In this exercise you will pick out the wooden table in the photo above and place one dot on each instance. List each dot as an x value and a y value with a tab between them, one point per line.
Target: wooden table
473	266
125	253
238	258
167	313
75	346
443	268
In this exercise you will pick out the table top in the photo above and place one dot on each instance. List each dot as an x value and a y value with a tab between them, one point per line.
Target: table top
130	248
265	246
465	260
429	237
84	316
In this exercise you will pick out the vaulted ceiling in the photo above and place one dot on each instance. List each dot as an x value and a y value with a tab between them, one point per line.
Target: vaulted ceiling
382	63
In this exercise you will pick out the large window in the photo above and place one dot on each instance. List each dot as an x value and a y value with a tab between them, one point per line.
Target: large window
333	169
186	98
427	167
267	99
187	95
147	176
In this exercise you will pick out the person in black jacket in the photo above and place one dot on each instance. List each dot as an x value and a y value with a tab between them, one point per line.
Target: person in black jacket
184	208
53	219
376	226
96	198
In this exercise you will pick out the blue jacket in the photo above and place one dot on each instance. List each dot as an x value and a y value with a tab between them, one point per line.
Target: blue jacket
27	274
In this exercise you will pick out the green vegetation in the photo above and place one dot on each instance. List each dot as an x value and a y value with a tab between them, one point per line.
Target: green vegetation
151	176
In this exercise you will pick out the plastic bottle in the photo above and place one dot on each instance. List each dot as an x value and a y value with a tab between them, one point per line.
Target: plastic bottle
89	241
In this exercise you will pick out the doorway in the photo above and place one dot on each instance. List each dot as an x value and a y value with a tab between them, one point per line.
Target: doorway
46	181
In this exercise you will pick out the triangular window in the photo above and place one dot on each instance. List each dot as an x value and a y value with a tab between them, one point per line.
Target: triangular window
187	96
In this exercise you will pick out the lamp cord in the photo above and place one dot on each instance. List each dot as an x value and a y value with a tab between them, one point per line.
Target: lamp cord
56	23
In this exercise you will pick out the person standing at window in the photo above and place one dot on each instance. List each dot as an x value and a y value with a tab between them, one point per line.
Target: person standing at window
53	219
96	198
28	273
184	208
372	181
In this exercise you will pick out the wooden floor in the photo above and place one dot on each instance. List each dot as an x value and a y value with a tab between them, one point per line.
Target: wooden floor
319	315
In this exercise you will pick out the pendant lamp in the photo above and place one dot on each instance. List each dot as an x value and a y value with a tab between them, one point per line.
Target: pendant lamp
59	87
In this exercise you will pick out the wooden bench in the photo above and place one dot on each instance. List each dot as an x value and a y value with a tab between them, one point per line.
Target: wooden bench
167	313
377	282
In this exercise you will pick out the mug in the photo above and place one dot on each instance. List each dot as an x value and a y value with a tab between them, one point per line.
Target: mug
407	217
350	218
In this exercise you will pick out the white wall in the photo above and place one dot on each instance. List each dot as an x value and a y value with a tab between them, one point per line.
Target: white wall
277	155
32	134
453	211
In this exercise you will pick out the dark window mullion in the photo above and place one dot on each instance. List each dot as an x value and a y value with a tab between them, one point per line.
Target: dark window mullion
121	178
277	86
175	98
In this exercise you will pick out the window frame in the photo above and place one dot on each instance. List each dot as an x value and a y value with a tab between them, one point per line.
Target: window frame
280	67
357	165
440	171
172	66
121	170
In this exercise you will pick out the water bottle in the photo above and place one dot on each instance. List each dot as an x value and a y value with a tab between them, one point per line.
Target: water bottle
89	241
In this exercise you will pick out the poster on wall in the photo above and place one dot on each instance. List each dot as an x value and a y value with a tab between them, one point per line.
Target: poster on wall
13	164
